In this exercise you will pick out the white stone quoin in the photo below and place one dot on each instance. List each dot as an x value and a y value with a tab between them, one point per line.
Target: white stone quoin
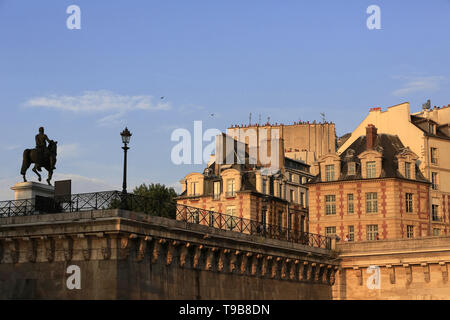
29	190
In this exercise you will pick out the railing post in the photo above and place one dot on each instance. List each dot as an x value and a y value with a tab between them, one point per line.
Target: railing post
331	243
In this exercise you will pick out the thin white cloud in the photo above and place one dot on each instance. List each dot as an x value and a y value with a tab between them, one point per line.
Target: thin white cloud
190	109
96	102
80	184
12	147
112	119
418	84
67	151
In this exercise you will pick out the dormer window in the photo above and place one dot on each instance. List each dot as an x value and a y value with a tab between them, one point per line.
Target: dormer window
351	168
371	169
231	191
407	170
329	172
216	193
432	128
194	189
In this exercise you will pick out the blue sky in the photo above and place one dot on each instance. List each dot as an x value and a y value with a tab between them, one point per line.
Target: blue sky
287	60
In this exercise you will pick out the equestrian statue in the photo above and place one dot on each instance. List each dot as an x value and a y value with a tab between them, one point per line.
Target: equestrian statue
42	156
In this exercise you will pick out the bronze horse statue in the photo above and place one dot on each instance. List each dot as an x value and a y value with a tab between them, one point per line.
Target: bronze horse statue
47	161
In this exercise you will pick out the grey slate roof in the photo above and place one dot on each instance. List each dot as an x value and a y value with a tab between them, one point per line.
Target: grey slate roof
388	145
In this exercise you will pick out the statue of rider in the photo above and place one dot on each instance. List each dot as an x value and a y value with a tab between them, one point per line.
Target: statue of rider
41	148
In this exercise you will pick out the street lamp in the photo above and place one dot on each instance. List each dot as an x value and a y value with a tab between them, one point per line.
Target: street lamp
126	136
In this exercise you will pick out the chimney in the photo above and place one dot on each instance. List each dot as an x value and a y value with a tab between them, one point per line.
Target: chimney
371	135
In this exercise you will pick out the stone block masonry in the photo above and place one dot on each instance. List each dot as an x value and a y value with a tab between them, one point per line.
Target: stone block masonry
409	269
127	255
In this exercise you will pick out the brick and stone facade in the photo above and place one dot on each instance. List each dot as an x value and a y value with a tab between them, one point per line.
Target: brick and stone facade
373	190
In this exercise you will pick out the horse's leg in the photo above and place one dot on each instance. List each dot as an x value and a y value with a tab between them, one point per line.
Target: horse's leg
35	171
50	174
25	164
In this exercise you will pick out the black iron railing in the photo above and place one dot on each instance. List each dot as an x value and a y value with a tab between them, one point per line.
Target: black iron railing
227	222
78	202
17	208
118	200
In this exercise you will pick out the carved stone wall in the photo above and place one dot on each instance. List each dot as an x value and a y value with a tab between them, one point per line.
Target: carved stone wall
124	255
409	269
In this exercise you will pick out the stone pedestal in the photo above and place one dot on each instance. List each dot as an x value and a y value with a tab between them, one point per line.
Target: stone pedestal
29	190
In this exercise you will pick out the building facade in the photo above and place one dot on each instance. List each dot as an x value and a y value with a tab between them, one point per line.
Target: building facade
305	141
373	190
427	134
274	196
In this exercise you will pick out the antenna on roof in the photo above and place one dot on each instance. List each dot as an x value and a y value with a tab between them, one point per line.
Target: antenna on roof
426	106
323	116
259	120
250	119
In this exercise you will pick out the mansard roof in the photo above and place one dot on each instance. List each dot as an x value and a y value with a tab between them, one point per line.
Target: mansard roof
389	146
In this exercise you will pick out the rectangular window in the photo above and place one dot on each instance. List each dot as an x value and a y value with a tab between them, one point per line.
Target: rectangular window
330	204
436	232
194	188
371	202
329	170
351	233
407	170
302	199
291	195
351	169
290	217
291	177
433	155
432	128
350	204
330	231
230	219
371	169
409	202
280	219
231	192
410	231
372	232
216	190
434	180
435	212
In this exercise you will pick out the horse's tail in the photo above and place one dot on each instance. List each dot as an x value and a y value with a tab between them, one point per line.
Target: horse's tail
25	162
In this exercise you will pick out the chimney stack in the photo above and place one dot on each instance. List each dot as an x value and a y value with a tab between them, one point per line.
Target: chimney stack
371	136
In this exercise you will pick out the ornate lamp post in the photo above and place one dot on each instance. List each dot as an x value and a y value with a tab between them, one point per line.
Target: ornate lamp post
126	136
